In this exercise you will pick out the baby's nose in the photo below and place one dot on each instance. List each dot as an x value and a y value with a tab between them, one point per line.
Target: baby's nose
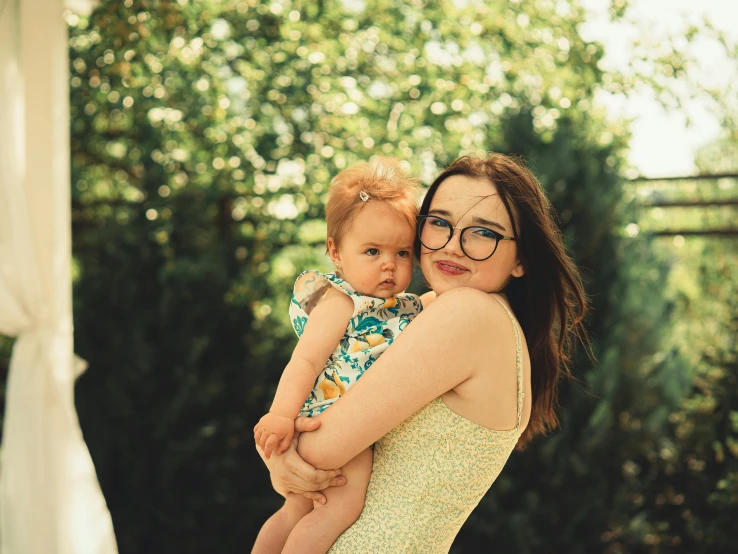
388	265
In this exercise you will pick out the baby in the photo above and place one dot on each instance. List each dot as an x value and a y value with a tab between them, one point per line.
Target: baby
344	321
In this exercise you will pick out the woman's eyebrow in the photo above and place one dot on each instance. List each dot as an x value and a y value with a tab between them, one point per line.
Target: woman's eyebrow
483	221
440	212
476	219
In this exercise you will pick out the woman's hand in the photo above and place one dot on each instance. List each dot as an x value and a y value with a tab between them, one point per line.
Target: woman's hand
290	473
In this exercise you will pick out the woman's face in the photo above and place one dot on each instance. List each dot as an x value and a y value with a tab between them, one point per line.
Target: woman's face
464	201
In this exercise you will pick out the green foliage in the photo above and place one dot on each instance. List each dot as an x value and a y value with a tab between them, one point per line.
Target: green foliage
683	491
204	135
720	156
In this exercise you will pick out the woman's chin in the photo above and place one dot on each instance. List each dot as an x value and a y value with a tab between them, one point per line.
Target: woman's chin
441	282
439	286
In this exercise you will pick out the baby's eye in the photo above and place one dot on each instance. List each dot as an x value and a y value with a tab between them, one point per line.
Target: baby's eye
372	252
403	254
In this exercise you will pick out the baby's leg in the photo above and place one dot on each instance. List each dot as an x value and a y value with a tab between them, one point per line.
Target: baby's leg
277	528
317	531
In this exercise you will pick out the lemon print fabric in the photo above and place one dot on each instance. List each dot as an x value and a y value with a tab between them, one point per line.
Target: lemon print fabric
374	325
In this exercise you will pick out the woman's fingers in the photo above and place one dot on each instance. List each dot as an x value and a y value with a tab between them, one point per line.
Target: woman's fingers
308	473
337	481
318	497
306	424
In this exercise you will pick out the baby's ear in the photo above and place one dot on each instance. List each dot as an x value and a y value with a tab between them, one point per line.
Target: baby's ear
333	251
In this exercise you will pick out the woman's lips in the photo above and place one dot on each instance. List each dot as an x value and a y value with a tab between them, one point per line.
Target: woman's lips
450	268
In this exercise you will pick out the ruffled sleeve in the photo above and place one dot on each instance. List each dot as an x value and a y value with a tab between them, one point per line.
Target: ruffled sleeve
310	287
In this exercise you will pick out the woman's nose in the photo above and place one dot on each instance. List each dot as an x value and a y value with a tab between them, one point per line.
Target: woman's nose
453	246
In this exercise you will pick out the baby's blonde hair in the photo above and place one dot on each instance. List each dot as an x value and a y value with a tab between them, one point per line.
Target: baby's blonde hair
381	180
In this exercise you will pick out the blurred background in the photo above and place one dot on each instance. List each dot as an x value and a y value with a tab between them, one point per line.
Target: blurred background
204	137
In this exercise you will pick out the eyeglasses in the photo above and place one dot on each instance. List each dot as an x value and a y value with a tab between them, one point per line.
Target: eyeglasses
478	243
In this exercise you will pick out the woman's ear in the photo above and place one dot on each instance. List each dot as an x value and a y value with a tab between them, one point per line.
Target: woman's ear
333	252
518	270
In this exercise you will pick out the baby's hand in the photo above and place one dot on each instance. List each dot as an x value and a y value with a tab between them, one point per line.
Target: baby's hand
274	432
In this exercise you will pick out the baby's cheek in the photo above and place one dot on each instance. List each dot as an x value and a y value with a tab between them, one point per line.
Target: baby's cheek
407	268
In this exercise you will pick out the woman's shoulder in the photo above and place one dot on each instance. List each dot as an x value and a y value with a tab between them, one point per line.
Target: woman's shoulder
467	304
466	311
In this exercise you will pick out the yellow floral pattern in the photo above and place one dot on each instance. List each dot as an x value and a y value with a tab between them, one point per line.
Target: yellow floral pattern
429	473
374	325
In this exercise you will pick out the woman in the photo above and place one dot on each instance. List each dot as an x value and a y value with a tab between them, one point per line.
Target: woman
462	386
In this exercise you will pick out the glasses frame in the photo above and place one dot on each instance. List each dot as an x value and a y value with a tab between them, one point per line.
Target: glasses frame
499	236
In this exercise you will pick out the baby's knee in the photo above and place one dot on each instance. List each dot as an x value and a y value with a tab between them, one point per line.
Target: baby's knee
346	510
296	507
353	509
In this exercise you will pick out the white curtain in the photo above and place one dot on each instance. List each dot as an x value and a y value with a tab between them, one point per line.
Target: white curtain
50	500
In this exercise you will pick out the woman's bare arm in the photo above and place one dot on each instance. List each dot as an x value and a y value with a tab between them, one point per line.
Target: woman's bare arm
445	345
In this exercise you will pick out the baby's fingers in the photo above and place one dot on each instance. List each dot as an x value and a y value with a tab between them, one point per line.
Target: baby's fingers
284	444
262	438
269	445
257	435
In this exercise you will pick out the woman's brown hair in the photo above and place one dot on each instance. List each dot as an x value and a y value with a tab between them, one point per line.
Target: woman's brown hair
549	299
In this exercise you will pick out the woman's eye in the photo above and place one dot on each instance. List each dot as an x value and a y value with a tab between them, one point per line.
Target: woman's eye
403	254
438	222
373	252
481	232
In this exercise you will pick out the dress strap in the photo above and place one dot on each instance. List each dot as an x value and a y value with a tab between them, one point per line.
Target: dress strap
518	360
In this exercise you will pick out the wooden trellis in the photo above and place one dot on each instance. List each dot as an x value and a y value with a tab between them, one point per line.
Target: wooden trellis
731	230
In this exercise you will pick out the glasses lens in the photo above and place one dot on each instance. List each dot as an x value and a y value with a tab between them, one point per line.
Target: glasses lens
478	243
434	232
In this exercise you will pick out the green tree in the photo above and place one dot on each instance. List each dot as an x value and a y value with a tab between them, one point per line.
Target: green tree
683	489
204	135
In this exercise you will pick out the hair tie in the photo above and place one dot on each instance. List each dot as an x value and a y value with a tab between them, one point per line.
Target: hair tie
364	196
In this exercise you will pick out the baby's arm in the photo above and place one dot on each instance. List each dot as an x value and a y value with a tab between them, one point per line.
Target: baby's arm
323	331
427	298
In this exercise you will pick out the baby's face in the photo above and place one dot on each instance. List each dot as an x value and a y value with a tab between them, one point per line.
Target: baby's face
375	255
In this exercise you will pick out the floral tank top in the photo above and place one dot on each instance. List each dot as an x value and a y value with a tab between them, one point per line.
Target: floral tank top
374	325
